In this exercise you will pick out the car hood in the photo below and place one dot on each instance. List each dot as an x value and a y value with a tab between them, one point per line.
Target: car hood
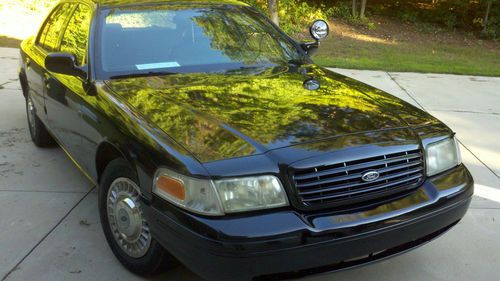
218	116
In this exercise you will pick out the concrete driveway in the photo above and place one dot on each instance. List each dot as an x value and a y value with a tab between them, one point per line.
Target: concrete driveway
49	225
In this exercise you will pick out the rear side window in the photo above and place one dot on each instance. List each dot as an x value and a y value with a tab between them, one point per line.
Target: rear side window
76	35
49	36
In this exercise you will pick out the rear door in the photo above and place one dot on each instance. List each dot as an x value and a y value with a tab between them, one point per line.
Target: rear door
46	41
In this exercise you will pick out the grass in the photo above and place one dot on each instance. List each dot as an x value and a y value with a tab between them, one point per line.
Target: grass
349	49
435	58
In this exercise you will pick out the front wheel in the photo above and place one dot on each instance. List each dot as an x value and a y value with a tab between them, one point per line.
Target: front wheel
124	225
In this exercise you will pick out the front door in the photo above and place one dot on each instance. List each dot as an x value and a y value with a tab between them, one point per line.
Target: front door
65	93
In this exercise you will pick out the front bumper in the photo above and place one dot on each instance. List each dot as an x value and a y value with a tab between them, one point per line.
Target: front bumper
285	243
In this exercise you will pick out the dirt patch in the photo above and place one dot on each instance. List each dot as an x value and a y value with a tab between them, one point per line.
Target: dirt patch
84	222
6	168
10	138
475	79
390	31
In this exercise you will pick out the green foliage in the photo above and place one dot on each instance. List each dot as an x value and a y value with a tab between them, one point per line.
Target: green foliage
450	20
464	14
341	10
407	16
492	29
371	25
296	15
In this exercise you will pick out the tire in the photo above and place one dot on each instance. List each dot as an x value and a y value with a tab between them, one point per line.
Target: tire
39	134
148	260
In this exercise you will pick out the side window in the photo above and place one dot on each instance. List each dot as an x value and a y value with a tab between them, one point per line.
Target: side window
49	37
76	35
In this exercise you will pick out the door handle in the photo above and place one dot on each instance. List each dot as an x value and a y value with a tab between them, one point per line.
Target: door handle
46	80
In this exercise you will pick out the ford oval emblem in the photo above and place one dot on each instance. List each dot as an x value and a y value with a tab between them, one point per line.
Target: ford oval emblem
370	176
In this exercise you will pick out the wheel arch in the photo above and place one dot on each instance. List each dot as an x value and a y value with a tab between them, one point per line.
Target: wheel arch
105	153
24	83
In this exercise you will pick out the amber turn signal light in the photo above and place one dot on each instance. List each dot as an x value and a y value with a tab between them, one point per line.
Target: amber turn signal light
172	187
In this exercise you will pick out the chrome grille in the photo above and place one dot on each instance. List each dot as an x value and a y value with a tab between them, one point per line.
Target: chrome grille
341	183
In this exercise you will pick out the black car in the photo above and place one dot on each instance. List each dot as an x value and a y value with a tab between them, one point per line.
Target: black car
217	142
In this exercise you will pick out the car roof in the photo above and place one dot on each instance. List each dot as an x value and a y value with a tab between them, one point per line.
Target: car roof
111	3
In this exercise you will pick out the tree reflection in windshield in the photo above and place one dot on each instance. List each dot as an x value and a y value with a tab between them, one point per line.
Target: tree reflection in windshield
189	38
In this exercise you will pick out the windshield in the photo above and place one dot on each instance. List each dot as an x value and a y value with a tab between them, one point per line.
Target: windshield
159	39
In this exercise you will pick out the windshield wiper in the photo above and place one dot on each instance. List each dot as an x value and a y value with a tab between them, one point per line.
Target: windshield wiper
296	62
244	69
142	74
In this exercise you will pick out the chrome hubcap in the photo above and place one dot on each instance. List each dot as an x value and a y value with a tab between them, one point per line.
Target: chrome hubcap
31	115
125	218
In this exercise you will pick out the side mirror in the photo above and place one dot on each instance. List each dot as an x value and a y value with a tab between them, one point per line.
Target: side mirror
319	30
64	63
310	47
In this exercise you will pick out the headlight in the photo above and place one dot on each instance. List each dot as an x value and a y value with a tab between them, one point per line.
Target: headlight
221	196
192	194
441	156
252	193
